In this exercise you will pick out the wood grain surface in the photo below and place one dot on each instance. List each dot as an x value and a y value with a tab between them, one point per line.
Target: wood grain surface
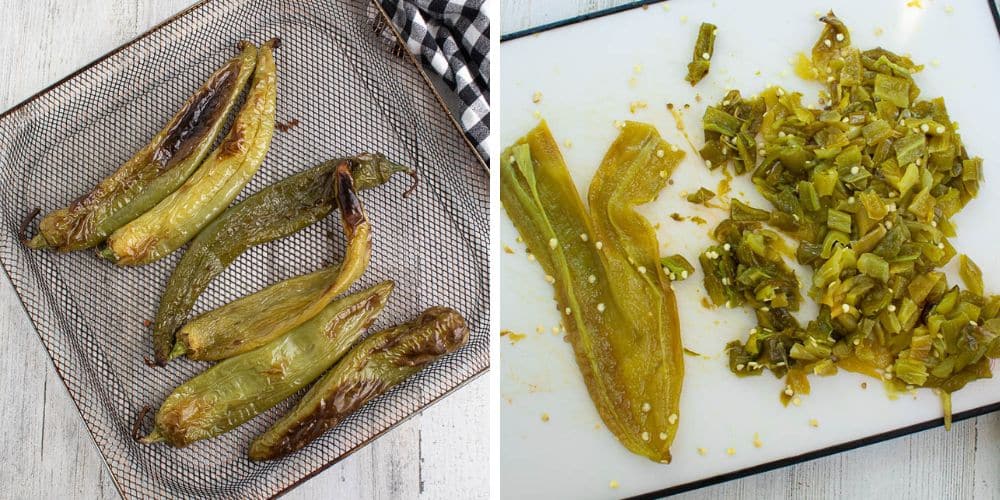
934	464
442	453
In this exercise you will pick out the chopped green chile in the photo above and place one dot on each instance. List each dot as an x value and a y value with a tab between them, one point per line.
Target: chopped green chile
701	197
866	186
677	267
614	297
971	275
704	48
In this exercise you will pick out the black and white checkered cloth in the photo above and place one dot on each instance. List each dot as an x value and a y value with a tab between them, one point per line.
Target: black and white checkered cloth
453	38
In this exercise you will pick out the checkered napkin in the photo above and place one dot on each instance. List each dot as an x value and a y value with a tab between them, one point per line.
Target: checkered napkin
453	38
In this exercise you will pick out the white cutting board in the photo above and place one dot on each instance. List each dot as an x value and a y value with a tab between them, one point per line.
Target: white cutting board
583	72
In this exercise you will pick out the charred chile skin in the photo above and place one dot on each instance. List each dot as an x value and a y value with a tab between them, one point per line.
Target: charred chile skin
275	212
227	170
157	170
240	388
370	369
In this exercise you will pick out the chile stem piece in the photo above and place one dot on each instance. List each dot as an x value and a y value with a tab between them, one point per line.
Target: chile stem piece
22	231
257	314
373	367
157	170
240	388
137	425
180	216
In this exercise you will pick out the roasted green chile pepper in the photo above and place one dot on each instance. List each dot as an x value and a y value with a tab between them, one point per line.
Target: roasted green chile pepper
248	322
240	388
272	312
156	170
180	216
275	212
368	370
616	302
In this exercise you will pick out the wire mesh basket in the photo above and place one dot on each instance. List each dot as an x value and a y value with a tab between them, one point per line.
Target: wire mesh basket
343	77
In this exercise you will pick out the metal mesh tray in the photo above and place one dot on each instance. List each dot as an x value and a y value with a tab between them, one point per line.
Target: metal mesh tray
352	90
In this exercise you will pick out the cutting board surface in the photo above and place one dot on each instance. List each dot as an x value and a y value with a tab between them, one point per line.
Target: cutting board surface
553	444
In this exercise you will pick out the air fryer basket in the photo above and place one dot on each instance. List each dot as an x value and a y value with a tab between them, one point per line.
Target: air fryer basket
343	77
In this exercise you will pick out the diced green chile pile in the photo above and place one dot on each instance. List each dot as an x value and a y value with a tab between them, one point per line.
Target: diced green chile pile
866	186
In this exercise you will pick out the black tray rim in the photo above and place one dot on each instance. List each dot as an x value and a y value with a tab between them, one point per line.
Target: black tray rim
10	112
796	459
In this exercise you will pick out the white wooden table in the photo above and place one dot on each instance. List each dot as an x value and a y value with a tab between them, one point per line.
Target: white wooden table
963	463
442	453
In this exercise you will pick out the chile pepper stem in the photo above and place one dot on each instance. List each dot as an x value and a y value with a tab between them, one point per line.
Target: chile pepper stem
137	425
179	350
107	253
22	233
413	187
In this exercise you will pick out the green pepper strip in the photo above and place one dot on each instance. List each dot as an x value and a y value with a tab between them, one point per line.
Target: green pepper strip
634	170
701	60
272	213
240	388
368	370
156	170
179	217
632	365
271	312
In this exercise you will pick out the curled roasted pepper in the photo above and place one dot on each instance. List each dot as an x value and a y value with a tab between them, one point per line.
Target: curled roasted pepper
274	212
156	170
615	299
240	388
180	216
273	311
373	367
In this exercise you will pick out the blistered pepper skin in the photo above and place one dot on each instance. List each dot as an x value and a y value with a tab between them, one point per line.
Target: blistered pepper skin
156	170
373	367
240	388
180	216
274	212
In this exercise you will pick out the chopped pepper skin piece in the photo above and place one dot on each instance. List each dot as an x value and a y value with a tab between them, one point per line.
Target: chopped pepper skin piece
156	170
374	366
242	387
623	324
704	48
